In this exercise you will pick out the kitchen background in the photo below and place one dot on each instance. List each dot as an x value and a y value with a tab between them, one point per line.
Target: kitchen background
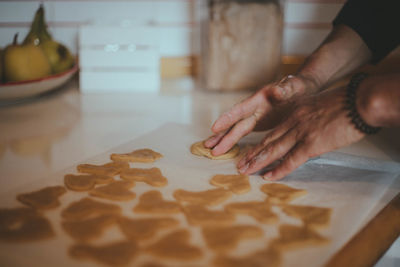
173	23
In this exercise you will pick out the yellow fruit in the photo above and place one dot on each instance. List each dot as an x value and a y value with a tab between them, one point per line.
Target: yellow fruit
24	62
58	55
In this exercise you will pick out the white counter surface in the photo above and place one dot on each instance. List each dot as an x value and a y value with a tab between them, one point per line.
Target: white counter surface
65	127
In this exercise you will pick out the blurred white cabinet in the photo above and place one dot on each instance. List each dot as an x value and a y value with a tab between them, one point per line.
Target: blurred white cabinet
114	58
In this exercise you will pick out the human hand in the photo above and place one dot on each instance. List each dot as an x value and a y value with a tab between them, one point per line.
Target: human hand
316	124
252	113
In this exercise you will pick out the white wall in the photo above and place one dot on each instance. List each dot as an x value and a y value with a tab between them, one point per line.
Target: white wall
306	21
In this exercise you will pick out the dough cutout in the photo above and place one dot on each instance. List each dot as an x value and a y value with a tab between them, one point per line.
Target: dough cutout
238	184
200	215
151	176
118	190
310	215
46	198
209	197
113	254
144	228
88	208
263	258
85	182
153	202
24	225
141	155
225	238
278	193
175	245
199	149
259	210
88	229
108	169
292	237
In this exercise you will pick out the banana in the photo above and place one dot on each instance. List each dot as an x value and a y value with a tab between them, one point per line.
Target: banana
59	56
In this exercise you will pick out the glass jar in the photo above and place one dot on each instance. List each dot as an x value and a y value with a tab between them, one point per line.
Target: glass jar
240	43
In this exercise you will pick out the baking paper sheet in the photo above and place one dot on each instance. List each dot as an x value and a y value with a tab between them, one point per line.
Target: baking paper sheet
355	188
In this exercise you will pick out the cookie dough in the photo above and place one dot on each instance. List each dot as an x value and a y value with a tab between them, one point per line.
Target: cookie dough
88	208
141	155
152	202
113	254
108	169
199	149
292	237
46	198
278	193
238	184
151	176
208	197
144	228
200	215
89	229
310	215
23	225
85	182
118	190
264	258
175	245
225	238
259	210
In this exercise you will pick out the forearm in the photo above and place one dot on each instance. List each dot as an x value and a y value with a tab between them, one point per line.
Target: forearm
378	100
342	52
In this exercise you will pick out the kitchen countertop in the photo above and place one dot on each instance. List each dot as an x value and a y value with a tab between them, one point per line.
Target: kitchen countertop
64	127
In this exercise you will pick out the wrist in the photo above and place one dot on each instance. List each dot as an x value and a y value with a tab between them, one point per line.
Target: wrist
359	110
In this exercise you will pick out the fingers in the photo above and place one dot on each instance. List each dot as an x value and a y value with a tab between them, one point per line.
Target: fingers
294	159
238	112
271	136
215	139
271	152
243	128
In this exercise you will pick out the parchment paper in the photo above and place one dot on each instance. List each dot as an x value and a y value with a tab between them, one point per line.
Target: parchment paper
354	187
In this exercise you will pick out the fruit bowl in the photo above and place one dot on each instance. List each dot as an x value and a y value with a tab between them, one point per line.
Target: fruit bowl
26	89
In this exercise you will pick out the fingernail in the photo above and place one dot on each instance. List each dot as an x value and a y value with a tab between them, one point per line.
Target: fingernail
244	168
268	176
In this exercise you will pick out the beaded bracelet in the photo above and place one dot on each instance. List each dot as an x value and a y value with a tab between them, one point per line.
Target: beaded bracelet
351	96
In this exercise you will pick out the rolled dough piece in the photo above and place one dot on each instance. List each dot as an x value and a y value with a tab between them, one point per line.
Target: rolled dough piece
144	228
108	169
89	229
23	225
175	245
292	237
152	202
85	182
141	155
199	149
88	208
310	215
261	211
46	198
278	193
114	254
151	176
263	258
118	190
207	197
200	215
225	238
238	184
